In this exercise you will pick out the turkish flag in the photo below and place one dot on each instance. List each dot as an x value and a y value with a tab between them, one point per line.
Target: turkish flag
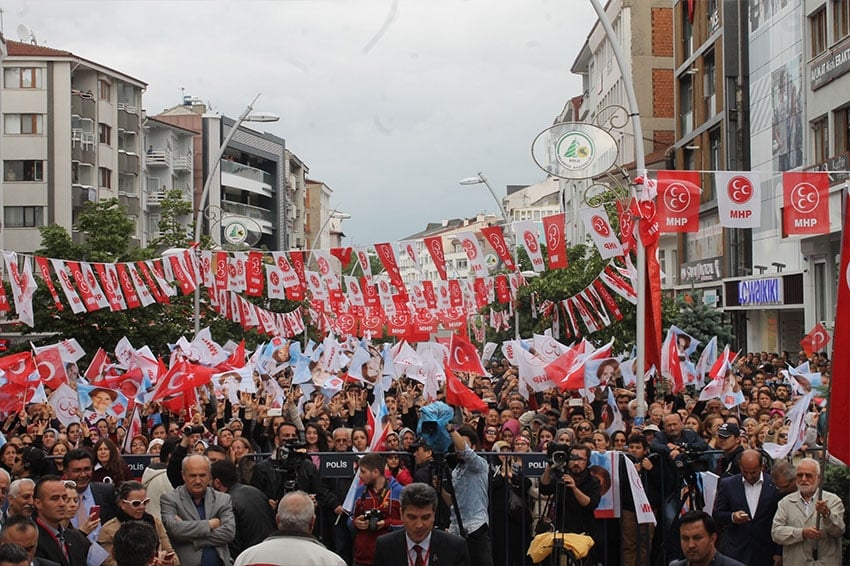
556	244
98	366
51	368
459	395
343	255
839	387
464	357
182	376
815	340
435	248
678	201
806	202
496	238
18	367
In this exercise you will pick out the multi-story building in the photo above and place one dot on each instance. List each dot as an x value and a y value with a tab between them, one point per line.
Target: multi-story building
825	82
71	135
168	164
644	29
251	192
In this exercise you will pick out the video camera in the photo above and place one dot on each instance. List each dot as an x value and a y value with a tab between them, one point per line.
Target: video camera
559	455
691	460
373	516
432	426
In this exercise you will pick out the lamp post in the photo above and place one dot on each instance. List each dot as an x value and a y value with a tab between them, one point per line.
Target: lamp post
246	116
481	179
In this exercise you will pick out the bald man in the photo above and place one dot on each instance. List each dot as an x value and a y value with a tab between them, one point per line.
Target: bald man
744	509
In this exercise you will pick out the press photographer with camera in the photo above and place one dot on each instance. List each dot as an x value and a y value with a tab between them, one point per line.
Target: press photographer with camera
377	509
577	491
289	468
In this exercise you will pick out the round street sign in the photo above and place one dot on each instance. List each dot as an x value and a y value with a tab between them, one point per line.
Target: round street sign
574	150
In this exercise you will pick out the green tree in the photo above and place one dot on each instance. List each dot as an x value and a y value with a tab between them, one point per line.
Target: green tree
174	232
701	321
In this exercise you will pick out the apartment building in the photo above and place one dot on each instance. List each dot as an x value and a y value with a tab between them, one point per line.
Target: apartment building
71	135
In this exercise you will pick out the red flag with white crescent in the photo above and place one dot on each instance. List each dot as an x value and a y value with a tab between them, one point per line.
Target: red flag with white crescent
464	357
556	243
18	367
435	248
678	201
496	238
815	340
459	395
806	202
51	367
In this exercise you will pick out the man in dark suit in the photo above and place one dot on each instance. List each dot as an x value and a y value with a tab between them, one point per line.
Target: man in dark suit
743	508
68	547
418	544
254	516
24	532
697	535
77	467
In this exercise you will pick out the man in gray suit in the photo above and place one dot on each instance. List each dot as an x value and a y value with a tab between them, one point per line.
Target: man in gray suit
199	520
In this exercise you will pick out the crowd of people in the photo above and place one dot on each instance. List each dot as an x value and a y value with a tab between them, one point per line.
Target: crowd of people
240	481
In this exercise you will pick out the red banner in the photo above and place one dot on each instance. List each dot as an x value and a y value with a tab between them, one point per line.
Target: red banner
839	387
44	268
435	248
254	275
126	281
387	255
82	285
806	203
678	201
556	244
496	238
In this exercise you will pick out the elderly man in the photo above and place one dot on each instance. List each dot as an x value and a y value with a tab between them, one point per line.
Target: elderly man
20	499
809	529
293	544
24	532
199	520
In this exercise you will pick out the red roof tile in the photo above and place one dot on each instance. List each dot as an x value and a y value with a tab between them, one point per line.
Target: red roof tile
17	48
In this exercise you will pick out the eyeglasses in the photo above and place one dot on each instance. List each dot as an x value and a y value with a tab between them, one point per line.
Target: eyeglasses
491	431
584	428
136	503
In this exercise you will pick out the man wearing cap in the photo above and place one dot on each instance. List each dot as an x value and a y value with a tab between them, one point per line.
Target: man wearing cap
729	440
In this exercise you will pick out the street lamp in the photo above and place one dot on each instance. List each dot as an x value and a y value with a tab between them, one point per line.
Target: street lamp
481	179
246	116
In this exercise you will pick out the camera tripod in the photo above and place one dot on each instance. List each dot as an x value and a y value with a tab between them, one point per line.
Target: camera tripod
440	475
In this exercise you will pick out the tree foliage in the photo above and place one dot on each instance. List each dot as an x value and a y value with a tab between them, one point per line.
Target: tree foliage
701	321
174	230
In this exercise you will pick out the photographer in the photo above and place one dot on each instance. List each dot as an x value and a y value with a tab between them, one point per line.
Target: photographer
377	509
470	479
191	435
289	469
577	491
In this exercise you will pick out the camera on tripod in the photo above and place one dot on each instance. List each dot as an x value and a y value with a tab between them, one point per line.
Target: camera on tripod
690	460
559	455
373	516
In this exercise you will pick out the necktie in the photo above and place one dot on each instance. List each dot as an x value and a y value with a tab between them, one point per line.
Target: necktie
63	546
81	516
419	560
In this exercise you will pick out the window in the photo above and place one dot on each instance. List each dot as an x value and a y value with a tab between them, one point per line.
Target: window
23	170
104	90
817	22
820	291
820	128
686	104
23	124
842	130
715	163
687	33
23	77
710	86
841	16
105	176
23	216
104	133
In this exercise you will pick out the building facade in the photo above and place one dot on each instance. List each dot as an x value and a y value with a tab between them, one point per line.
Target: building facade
71	135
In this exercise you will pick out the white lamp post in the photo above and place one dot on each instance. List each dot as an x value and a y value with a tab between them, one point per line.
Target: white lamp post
481	179
246	116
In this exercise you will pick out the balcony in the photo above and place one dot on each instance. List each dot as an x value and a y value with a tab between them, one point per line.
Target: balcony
83	105
264	217
158	158
247	172
183	162
83	153
155	197
80	195
128	162
127	121
131	203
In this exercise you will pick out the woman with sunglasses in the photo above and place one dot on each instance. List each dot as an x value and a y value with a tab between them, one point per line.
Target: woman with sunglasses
132	502
490	436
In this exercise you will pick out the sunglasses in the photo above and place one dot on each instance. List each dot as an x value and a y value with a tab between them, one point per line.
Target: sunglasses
491	431
584	428
136	503
70	484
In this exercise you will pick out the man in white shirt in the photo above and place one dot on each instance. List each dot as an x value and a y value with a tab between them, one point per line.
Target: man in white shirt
744	509
418	544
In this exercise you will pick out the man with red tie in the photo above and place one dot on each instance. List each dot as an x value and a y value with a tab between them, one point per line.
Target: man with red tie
68	547
418	544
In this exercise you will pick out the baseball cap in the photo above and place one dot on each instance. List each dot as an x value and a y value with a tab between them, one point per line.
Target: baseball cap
417	443
651	428
728	429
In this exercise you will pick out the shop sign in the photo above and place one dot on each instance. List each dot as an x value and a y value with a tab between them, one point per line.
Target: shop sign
760	291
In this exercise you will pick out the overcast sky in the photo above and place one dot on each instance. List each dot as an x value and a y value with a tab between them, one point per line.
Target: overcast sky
390	103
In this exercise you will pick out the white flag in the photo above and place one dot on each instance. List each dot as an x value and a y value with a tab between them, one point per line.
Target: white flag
599	227
473	251
738	198
526	233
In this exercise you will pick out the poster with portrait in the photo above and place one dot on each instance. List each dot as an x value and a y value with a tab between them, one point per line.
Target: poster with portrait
787	123
99	402
605	466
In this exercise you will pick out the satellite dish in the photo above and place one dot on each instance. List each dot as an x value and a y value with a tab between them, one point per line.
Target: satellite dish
26	35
